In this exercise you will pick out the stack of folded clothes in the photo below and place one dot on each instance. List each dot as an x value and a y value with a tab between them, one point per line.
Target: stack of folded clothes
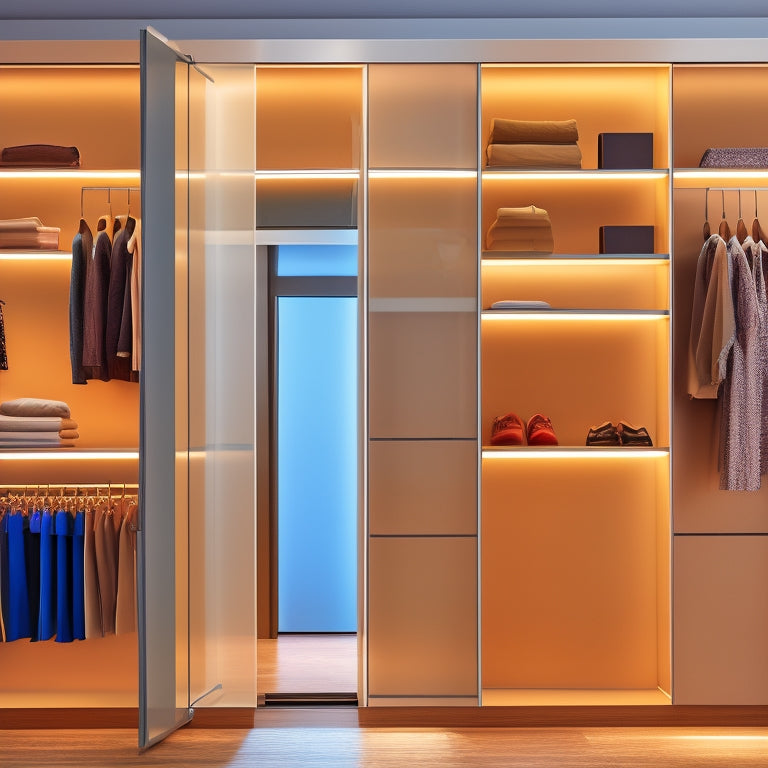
526	230
30	422
533	144
28	233
40	156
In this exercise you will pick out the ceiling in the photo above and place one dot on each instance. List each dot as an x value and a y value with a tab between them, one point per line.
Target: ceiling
373	9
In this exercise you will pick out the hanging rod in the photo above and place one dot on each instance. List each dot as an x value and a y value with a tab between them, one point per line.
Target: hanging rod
108	190
64	487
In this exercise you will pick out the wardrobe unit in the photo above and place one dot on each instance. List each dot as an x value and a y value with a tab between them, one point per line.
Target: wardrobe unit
51	105
500	581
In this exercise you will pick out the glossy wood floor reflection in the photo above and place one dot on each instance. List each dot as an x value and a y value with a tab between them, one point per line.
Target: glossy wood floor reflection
353	747
307	664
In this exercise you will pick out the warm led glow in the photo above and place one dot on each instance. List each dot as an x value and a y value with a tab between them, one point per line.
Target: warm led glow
36	256
66	455
554	314
573	453
422	174
74	173
701	174
576	174
722	737
576	261
307	174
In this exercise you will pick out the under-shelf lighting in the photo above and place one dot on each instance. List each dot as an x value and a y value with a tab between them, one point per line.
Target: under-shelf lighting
67	455
575	174
555	315
575	453
701	174
585	261
74	174
308	175
421	174
35	256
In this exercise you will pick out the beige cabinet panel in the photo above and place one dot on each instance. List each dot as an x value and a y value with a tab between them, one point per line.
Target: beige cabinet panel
422	617
422	115
422	373
422	487
422	236
720	620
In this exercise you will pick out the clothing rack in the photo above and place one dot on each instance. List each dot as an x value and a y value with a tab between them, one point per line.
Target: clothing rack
109	191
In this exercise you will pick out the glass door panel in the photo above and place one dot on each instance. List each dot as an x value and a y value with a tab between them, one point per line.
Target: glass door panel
162	541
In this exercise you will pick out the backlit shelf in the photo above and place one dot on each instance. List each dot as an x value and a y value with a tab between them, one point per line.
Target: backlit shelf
693	178
67	454
574	314
582	174
496	257
72	174
34	255
571	452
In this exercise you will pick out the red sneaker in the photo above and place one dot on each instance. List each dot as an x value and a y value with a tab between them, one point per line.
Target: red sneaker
540	431
507	430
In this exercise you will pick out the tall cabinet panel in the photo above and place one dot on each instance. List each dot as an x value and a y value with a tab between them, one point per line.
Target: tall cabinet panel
720	525
422	383
575	329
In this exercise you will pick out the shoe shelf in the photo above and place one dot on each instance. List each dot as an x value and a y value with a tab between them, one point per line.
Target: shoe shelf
556	313
571	451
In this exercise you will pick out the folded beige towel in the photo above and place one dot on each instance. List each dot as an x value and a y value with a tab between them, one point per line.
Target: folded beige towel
28	224
518	233
34	406
566	156
505	131
29	423
69	434
527	246
529	216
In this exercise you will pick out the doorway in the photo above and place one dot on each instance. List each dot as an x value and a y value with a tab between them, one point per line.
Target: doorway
312	655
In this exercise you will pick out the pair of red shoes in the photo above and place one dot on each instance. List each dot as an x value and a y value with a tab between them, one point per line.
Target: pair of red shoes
510	430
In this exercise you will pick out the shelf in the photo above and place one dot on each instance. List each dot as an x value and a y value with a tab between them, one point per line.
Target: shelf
69	173
574	314
598	258
571	452
67	454
422	173
538	697
692	178
582	174
34	255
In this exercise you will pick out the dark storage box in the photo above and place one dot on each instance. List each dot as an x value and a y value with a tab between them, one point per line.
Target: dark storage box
624	150
626	239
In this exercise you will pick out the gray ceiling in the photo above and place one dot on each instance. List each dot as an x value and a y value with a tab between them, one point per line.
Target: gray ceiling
373	9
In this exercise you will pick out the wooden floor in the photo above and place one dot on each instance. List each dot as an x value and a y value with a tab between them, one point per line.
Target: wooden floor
307	664
354	747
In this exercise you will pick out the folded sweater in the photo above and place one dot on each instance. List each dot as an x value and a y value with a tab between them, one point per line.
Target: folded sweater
34	406
505	131
534	155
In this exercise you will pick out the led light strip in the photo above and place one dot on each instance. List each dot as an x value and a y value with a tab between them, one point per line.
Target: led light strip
422	174
586	261
73	174
580	175
66	455
307	175
583	453
546	314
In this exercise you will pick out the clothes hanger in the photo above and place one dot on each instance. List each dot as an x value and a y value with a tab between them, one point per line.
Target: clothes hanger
707	231
741	227
757	231
724	230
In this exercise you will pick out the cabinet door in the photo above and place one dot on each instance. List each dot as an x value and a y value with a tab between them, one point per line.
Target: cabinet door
162	540
721	620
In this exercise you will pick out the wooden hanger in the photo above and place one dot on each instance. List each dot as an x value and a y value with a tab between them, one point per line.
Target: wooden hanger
724	229
757	231
741	227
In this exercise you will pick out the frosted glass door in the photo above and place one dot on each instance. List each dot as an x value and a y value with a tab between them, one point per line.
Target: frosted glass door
162	540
